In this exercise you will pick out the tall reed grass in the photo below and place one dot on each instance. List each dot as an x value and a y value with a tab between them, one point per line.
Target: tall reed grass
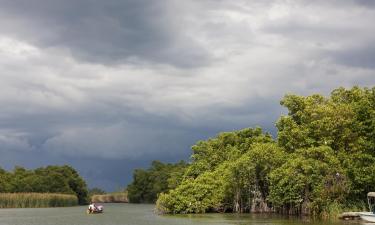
36	200
334	209
109	198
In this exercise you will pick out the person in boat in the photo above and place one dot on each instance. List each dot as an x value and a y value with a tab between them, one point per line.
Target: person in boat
92	207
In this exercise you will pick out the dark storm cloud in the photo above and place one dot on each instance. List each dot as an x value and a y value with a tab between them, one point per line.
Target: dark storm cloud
361	57
366	3
108	32
108	86
108	174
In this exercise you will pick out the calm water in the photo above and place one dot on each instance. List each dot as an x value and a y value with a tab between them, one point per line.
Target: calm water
131	214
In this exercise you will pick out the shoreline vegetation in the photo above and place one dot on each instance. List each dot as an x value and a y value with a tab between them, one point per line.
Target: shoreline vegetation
110	198
36	200
49	186
321	163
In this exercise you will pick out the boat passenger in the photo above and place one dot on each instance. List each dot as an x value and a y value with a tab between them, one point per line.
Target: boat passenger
92	207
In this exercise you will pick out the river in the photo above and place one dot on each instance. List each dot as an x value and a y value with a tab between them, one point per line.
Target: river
134	214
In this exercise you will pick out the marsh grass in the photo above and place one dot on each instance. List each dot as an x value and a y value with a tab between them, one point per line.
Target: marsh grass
334	209
36	200
109	198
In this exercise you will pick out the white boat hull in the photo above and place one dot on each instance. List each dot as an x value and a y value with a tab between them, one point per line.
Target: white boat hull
367	216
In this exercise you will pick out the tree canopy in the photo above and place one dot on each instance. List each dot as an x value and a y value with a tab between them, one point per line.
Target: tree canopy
160	177
324	155
50	179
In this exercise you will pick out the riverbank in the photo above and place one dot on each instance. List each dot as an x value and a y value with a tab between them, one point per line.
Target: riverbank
36	200
111	198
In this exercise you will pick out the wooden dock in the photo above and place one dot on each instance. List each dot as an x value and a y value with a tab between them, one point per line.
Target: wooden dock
349	216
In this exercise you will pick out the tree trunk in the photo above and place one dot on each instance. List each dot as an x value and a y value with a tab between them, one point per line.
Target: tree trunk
237	201
305	204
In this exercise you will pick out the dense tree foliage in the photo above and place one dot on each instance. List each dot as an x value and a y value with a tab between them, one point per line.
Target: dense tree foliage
160	177
199	195
324	156
250	177
227	146
50	179
309	179
345	122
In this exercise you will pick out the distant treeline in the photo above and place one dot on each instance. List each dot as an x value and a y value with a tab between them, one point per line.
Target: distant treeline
50	179
160	177
323	161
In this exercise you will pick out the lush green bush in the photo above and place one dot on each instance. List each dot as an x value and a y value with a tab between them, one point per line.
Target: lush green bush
203	194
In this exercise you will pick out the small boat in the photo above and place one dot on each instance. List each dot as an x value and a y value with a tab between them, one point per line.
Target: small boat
369	216
94	209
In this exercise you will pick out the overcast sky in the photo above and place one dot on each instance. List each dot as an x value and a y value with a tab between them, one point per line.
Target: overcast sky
108	86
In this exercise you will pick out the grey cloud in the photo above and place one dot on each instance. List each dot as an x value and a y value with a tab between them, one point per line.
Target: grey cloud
108	32
108	174
124	140
10	142
80	85
325	30
361	57
366	3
